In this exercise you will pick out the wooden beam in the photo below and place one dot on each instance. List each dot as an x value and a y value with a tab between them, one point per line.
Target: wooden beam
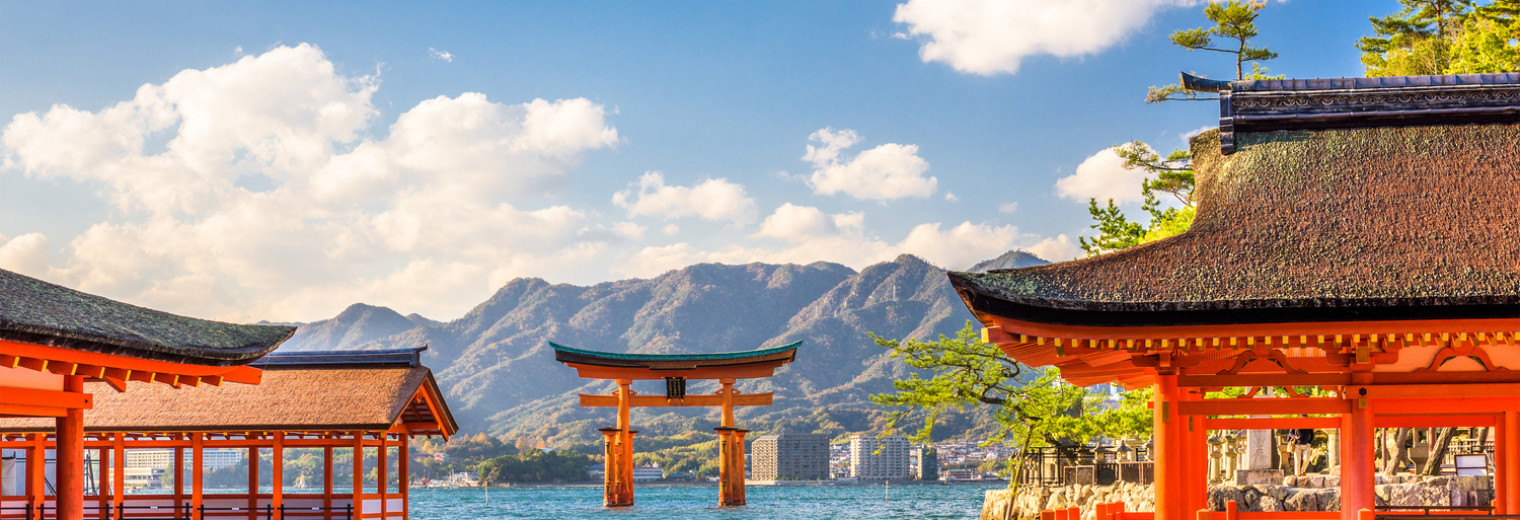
1279	406
656	400
46	398
1454	390
1215	381
1273	423
1435	421
736	371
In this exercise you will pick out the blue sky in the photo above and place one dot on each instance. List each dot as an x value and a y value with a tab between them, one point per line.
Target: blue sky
282	160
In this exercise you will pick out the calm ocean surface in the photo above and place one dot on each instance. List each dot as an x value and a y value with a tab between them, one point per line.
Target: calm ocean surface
697	503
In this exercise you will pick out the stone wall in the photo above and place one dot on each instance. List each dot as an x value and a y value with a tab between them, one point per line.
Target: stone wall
1307	493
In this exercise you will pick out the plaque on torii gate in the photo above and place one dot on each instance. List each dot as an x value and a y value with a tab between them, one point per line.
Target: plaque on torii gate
676	370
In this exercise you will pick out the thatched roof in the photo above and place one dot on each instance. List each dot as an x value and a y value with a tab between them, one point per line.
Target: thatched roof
295	397
37	312
1358	224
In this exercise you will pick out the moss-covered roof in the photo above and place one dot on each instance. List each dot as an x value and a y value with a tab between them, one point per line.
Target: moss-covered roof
1314	225
34	311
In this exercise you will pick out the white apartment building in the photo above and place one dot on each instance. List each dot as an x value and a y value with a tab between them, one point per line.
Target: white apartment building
879	459
160	458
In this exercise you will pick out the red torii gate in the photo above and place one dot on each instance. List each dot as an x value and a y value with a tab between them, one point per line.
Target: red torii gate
676	370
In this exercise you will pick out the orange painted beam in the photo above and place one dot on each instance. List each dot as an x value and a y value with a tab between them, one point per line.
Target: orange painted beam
46	398
1452	389
1283	406
656	400
1273	423
44	353
1434	421
1257	379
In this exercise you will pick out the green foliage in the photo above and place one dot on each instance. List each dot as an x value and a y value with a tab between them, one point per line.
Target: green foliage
1034	407
1233	20
1171	175
1443	37
533	466
689	454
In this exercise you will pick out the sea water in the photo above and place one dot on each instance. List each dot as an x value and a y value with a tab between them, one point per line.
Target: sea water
961	501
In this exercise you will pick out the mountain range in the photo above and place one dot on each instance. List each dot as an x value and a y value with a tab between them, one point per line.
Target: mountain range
499	374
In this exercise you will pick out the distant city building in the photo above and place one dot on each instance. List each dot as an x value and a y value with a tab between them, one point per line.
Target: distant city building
790	456
161	458
879	459
926	463
646	473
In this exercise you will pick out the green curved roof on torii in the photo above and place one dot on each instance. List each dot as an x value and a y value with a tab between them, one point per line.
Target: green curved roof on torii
775	356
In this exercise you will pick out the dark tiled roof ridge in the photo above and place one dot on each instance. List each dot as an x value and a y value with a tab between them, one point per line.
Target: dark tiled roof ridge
39	312
1403	222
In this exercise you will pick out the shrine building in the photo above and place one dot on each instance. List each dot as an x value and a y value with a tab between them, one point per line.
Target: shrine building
88	384
1359	235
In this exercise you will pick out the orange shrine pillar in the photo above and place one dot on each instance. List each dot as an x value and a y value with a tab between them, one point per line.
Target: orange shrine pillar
119	470
731	466
69	453
36	488
1357	471
197	480
618	487
1511	490
1196	482
1167	454
1501	476
359	475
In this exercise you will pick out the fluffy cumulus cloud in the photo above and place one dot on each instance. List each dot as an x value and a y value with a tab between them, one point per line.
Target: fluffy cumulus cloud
254	190
711	199
888	171
990	37
25	254
1102	176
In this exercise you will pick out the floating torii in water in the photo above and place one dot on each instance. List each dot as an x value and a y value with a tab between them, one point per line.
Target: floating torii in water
676	370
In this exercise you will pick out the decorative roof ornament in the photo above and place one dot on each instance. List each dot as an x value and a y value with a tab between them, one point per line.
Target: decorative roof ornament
1300	104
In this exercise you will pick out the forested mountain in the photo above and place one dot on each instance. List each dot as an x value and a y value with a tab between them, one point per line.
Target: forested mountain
499	374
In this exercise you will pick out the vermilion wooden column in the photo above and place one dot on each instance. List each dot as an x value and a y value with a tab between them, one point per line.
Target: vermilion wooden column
36	462
1197	479
197	461
358	474
119	470
1168	487
1511	440
1357	479
404	477
277	472
1501	474
69	456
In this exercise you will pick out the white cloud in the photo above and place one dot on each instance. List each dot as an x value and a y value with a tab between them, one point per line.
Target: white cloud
445	56
1059	248
798	224
1188	136
1009	207
951	197
1102	176
990	37
425	218
25	254
711	199
888	171
671	229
